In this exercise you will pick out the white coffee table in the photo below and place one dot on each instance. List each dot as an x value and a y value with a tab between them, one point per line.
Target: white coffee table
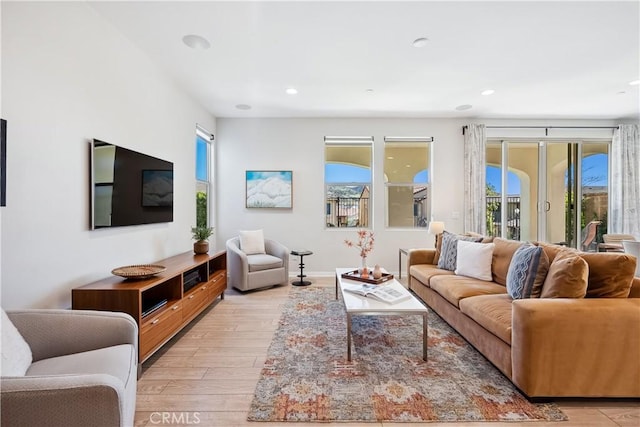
358	305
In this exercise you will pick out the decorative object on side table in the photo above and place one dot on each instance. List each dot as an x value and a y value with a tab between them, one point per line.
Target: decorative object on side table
142	271
365	243
200	235
436	228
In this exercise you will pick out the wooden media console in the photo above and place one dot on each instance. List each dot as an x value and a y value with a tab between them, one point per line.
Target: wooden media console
160	305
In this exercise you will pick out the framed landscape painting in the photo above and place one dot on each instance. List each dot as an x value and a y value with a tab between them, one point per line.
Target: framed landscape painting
269	189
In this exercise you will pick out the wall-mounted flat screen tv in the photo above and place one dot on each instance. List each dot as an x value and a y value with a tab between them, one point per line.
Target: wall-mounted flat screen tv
128	187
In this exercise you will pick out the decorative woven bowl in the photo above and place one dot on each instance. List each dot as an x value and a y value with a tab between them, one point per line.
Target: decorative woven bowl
143	271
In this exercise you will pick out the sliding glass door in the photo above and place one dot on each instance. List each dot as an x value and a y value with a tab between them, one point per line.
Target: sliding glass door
555	191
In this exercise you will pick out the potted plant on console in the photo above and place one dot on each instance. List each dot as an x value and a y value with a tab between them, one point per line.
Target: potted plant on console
200	235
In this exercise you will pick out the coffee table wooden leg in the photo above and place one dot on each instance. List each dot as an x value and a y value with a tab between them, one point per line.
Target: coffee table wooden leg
348	337
424	336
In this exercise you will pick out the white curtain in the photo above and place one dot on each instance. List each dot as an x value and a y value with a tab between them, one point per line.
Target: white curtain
475	192
625	181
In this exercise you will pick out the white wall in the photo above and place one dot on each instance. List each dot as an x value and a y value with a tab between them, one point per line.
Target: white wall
68	77
297	144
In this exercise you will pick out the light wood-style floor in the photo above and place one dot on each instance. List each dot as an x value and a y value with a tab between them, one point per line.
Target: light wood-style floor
206	375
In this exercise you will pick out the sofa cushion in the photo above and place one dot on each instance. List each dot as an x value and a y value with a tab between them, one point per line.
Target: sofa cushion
252	242
424	272
610	274
567	277
492	312
554	250
502	254
118	361
527	271
455	288
259	262
449	253
474	260
16	353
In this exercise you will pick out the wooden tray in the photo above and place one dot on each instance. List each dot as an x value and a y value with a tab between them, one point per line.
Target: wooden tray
354	275
143	271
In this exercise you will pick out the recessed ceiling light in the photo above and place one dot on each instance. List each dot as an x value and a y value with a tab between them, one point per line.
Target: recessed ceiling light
420	42
390	157
487	92
196	42
243	107
291	90
369	90
635	83
464	107
407	166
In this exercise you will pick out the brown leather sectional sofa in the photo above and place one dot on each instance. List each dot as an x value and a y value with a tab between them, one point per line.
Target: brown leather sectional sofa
548	347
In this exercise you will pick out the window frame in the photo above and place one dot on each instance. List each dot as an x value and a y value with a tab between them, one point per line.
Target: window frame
389	141
349	141
208	138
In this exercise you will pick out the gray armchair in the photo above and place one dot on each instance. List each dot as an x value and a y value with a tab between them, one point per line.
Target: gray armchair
255	271
84	370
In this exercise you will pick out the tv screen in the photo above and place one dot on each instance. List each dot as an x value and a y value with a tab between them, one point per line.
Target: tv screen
128	187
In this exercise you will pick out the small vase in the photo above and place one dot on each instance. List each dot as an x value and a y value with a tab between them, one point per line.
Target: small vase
363	265
377	272
201	247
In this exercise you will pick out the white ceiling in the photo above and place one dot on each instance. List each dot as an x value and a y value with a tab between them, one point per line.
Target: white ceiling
544	59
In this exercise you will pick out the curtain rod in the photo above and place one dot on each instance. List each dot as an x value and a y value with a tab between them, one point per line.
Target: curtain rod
546	128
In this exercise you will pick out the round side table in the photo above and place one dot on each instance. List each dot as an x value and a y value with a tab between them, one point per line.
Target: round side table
301	254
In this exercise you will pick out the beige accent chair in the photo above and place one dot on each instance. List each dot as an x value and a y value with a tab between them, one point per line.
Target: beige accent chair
247	272
83	373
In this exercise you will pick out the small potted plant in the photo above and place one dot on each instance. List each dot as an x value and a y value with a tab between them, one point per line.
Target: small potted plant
200	235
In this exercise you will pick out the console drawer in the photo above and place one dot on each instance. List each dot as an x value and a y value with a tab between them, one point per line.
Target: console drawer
195	300
159	327
217	284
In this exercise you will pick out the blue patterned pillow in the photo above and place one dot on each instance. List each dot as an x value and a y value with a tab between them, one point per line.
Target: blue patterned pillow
527	271
449	253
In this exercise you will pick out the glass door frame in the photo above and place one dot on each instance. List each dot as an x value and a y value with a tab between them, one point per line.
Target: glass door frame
542	202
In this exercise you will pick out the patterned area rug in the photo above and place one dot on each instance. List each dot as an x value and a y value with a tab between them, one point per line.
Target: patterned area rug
307	378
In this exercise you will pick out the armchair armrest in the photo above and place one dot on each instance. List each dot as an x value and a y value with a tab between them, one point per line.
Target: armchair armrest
420	256
277	249
576	347
66	400
237	264
52	333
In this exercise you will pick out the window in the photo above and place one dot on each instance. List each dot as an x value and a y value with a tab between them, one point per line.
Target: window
347	178
407	181
203	151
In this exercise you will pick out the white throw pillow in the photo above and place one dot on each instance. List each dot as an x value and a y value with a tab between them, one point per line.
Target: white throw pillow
16	353
252	242
474	260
